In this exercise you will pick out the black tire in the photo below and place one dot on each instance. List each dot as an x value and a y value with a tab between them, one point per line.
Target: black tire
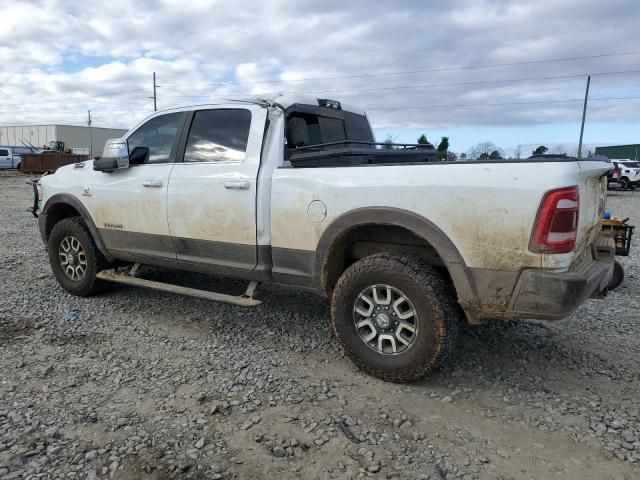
430	295
87	284
624	183
617	277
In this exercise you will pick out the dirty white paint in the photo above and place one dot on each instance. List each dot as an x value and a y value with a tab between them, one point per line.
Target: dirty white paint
487	210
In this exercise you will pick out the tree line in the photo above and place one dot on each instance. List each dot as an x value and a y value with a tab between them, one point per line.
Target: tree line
481	151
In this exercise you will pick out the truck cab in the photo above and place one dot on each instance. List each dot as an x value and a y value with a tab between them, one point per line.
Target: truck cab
8	159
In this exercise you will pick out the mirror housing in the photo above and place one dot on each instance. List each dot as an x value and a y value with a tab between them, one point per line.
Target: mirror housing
114	156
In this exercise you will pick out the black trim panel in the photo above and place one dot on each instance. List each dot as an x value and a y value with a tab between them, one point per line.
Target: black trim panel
138	243
224	254
66	199
420	226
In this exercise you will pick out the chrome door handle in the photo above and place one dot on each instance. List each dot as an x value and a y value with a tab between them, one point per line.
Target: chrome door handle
237	185
152	183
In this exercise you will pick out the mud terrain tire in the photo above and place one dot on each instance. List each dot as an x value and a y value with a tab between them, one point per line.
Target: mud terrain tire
93	261
436	318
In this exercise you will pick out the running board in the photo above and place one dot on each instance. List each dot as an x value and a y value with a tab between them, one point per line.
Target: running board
245	300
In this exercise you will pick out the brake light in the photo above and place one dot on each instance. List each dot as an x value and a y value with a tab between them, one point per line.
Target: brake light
556	227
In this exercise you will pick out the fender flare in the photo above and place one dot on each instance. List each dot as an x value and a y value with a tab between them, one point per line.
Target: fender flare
67	199
413	222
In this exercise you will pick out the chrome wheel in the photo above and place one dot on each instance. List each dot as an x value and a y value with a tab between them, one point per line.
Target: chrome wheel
385	319
73	259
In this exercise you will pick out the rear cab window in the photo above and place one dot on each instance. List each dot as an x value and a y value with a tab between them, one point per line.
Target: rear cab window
316	125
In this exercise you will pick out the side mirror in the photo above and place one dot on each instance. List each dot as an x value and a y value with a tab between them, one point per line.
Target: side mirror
114	156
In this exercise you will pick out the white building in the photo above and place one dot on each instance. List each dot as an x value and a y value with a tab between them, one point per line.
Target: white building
78	138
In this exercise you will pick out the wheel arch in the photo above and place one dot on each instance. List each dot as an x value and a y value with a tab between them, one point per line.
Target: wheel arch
329	262
64	205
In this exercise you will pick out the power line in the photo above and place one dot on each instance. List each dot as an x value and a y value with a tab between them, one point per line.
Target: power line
434	106
500	104
410	72
393	52
430	85
400	87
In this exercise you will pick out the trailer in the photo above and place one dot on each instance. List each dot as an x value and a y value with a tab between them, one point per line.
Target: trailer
48	161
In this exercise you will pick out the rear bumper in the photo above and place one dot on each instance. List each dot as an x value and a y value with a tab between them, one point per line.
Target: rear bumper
541	294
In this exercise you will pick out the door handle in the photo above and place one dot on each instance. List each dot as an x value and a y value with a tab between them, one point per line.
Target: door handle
237	185
152	183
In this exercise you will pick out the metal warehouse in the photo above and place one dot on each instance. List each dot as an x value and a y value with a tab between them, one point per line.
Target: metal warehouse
79	139
632	152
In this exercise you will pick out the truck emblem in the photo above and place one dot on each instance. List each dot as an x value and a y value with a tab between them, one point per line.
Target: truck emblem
113	225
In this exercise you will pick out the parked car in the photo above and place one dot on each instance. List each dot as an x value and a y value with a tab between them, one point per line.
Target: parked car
612	178
8	159
629	174
294	191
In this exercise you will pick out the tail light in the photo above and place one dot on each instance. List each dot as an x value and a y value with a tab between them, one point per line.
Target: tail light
556	226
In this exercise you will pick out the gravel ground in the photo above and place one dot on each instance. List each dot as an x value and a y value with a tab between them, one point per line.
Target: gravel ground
140	384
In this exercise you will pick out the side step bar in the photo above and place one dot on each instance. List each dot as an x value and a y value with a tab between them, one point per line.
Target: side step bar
245	300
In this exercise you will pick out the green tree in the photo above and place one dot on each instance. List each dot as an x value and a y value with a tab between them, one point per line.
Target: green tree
388	142
443	148
541	150
422	140
495	155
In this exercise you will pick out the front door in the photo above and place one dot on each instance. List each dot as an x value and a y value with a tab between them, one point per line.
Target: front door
129	206
212	191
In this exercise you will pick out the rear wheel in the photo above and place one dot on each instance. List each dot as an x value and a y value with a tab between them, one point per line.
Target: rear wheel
624	183
395	316
75	260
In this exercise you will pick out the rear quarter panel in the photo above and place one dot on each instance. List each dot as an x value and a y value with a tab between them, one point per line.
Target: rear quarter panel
486	209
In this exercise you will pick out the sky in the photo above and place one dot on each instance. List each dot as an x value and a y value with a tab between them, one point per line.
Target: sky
501	71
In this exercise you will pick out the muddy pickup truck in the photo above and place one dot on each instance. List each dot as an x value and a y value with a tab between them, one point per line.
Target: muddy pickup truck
295	191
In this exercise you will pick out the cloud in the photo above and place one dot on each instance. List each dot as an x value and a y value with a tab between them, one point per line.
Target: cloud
63	58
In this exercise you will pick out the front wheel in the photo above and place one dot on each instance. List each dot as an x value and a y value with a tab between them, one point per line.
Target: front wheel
75	260
395	316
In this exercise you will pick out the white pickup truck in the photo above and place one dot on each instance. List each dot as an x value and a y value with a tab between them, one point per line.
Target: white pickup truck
294	191
8	159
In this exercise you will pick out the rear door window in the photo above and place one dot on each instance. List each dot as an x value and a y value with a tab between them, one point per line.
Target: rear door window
4	153
218	136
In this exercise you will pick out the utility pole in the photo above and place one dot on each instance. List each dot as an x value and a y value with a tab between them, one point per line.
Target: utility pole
584	115
90	134
155	97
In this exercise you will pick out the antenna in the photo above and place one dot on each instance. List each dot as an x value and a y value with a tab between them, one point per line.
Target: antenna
584	114
155	96
89	122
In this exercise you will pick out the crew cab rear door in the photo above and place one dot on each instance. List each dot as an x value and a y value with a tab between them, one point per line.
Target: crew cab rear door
212	190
